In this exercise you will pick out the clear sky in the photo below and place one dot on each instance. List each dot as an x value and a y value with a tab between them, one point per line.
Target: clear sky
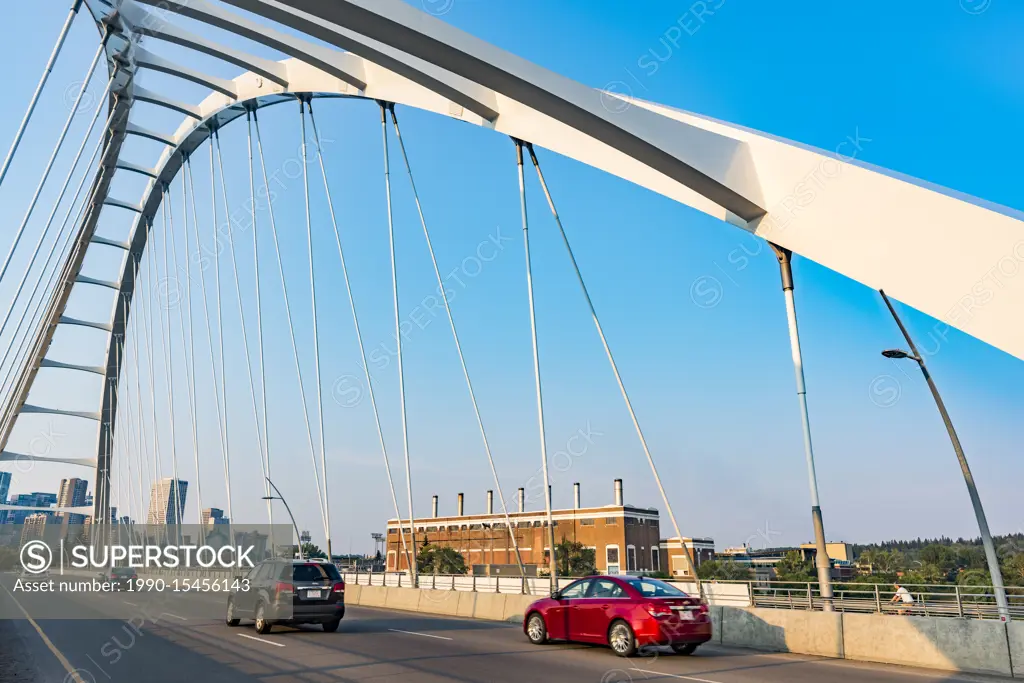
933	89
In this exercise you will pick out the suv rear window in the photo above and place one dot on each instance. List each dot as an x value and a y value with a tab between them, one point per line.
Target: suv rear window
315	572
123	571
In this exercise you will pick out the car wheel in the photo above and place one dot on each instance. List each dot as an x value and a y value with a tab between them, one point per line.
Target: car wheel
536	630
331	626
230	619
685	649
262	623
621	639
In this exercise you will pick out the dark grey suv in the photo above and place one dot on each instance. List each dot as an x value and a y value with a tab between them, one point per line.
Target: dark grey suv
289	592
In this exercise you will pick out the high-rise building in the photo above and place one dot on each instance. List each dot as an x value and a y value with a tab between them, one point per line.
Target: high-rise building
72	495
29	500
213	516
166	499
5	486
35	527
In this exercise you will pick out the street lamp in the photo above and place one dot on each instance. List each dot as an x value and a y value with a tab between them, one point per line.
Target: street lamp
979	511
281	498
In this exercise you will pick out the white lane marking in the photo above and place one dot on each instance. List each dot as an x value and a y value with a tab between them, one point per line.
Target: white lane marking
683	678
175	616
268	642
129	603
413	633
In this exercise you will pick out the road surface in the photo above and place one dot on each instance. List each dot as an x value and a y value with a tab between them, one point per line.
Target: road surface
381	646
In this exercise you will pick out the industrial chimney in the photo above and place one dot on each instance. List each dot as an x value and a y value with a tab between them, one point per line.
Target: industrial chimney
462	501
434	505
522	500
490	502
618	492
576	495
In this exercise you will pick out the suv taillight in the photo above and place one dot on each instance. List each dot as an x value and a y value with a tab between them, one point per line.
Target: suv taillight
282	587
339	587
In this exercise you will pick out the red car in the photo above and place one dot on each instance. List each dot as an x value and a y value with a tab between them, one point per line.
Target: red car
623	612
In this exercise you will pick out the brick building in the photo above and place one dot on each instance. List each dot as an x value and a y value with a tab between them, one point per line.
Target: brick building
624	538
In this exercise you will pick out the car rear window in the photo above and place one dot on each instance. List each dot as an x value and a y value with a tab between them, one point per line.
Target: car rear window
315	572
123	571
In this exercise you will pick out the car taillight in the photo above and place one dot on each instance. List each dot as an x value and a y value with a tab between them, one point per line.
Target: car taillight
339	587
657	610
282	587
703	609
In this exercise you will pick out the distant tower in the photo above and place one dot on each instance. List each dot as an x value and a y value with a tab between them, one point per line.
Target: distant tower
162	508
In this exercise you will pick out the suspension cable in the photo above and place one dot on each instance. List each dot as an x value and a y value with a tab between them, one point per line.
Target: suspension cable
611	360
536	366
56	149
39	88
28	336
458	345
316	339
222	410
288	313
152	280
359	335
264	464
190	365
168	225
60	197
398	337
259	319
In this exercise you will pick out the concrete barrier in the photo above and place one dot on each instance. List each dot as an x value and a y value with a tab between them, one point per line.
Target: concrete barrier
516	605
1015	638
440	602
971	645
779	630
407	599
373	596
716	623
467	604
352	593
490	606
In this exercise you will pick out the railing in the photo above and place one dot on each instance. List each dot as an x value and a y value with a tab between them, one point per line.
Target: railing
931	600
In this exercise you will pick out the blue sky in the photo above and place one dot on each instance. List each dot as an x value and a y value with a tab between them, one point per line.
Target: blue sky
931	87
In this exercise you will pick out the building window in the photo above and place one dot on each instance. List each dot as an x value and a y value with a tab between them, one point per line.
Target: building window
630	558
656	559
611	555
392	532
475	527
611	521
431	528
586	522
392	556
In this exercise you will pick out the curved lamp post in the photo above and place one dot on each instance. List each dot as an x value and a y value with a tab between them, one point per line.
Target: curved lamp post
979	511
279	497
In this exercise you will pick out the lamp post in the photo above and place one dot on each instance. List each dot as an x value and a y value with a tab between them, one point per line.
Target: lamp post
279	497
972	489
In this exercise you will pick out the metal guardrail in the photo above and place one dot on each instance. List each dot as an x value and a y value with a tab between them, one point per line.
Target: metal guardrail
930	600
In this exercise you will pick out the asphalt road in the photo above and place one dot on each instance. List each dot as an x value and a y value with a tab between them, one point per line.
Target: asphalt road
371	645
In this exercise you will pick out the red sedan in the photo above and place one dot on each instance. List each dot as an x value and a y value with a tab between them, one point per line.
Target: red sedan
623	612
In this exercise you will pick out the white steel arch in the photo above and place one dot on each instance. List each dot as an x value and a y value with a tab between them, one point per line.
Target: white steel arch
931	248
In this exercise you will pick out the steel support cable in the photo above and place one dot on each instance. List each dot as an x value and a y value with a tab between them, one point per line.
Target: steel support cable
56	150
288	314
141	440
188	191
46	267
167	226
316	339
39	88
458	345
398	339
259	320
536	367
222	408
359	334
60	198
611	360
152	279
241	316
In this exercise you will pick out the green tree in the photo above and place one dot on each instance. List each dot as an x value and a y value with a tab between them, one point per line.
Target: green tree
1013	570
793	567
575	559
311	550
939	555
723	570
436	560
